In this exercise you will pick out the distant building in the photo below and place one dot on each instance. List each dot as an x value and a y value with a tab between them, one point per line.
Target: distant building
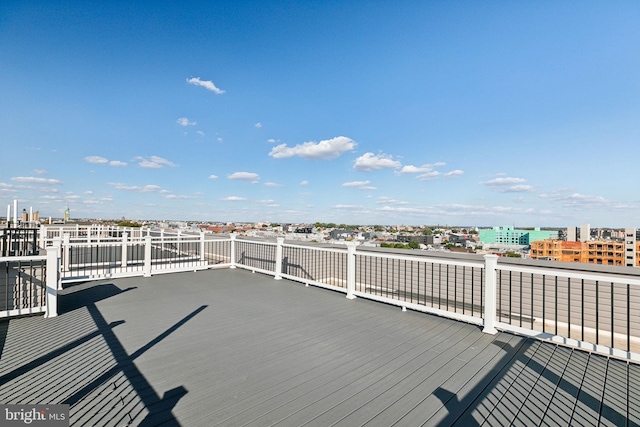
631	245
67	214
511	236
421	239
572	234
605	252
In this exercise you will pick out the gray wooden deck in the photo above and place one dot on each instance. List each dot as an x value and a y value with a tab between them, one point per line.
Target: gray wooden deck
231	348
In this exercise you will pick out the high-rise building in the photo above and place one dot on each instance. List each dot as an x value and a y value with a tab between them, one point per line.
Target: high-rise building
572	234
585	232
67	214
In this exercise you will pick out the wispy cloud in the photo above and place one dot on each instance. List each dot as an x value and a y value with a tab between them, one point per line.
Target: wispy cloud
153	162
390	201
370	162
40	171
207	84
233	199
258	125
273	184
183	121
326	149
35	180
149	188
199	132
272	141
213	176
453	173
303	183
244	176
507	184
98	160
362	185
429	175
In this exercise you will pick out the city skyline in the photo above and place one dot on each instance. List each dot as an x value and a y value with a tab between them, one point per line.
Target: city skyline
404	113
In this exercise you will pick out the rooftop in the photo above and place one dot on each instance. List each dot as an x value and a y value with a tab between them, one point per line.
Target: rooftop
228	347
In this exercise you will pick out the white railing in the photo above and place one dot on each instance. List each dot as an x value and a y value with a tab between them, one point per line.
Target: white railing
29	284
596	311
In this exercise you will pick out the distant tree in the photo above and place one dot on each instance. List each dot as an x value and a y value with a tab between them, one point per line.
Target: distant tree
377	228
385	245
400	246
427	231
413	245
129	224
512	254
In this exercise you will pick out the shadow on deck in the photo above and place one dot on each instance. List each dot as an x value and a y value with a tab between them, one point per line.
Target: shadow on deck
227	347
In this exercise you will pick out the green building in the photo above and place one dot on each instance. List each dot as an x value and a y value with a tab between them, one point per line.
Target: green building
510	236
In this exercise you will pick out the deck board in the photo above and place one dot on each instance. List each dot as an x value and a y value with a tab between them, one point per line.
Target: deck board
228	347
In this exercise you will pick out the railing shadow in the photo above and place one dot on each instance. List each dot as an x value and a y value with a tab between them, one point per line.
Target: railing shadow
460	410
88	400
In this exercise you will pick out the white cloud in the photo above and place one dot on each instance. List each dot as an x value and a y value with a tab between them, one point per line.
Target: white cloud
34	180
104	161
456	172
272	141
207	84
420	169
96	159
370	162
183	121
244	176
326	149
303	183
154	162
233	199
272	184
213	176
362	185
40	171
219	139
199	132
497	182
258	125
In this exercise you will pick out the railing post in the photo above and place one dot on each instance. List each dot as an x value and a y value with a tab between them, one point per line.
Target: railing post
202	246
351	269
232	236
66	241
490	264
53	281
147	256
123	261
279	243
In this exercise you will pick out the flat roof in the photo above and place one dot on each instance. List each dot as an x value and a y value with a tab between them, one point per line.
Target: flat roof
228	347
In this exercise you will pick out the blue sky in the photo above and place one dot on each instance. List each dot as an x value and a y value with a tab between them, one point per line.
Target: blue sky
428	112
